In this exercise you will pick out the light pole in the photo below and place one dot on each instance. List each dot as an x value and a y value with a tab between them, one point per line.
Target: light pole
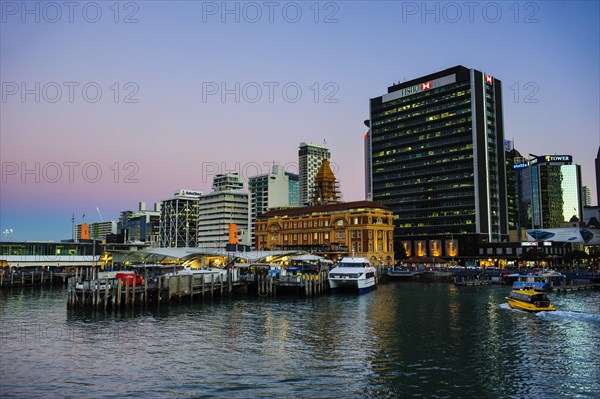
7	232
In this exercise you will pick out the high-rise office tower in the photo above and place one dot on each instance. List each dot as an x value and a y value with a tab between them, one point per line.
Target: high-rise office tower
310	157
586	196
550	192
437	159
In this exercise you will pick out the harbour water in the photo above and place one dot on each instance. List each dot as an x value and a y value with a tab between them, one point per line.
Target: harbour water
430	340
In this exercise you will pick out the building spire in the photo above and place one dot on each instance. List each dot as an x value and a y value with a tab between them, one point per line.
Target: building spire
326	189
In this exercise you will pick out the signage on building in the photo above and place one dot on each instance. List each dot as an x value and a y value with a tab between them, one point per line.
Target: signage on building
558	158
552	159
188	193
529	243
520	166
423	86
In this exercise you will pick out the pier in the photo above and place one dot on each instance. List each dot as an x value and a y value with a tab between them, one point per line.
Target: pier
576	285
22	279
189	286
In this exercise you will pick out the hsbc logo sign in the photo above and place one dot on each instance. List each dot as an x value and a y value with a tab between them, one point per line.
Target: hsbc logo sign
489	79
416	89
421	87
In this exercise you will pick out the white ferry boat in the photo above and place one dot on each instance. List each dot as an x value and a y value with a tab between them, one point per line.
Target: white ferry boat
540	281
354	274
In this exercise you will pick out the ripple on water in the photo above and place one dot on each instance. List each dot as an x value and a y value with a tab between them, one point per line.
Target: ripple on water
402	340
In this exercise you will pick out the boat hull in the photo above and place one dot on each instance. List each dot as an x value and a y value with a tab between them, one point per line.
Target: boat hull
353	285
529	307
529	300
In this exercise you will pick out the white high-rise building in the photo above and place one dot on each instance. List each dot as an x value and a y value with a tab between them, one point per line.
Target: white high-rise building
227	204
310	157
269	191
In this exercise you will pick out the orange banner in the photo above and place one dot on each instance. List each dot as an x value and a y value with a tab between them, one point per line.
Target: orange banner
233	234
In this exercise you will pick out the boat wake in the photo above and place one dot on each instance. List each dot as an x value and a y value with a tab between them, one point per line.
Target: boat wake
558	314
505	306
567	314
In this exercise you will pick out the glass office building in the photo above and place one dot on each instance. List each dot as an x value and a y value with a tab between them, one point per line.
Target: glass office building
437	159
551	191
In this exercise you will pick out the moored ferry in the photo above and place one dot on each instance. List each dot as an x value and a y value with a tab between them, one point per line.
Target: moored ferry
540	281
354	274
529	300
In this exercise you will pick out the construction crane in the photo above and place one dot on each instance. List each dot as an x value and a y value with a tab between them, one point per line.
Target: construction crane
99	214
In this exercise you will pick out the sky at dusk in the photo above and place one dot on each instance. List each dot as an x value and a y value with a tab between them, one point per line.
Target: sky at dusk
106	104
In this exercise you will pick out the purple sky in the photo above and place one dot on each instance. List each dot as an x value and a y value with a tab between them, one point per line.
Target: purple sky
193	88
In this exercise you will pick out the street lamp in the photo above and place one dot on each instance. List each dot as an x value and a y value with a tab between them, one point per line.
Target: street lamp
7	232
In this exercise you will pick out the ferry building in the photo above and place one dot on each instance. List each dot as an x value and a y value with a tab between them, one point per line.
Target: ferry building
360	229
328	227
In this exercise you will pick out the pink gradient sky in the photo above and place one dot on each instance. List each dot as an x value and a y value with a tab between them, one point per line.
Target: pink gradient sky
171	134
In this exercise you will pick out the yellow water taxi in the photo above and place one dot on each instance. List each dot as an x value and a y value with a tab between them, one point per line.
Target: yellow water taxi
529	300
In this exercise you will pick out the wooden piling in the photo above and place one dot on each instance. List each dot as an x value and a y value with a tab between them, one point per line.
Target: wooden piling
179	287
158	293
191	288
96	293
212	285
133	291
230	280
105	293
126	292
119	283
146	291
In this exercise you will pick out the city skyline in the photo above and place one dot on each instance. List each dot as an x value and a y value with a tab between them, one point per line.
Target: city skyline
104	110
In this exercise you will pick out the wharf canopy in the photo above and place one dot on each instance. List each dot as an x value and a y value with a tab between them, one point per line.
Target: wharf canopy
359	228
198	257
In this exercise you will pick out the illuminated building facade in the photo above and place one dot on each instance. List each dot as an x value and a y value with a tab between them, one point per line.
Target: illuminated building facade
437	160
361	228
550	192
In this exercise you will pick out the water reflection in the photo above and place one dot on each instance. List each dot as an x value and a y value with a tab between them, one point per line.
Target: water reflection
404	339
